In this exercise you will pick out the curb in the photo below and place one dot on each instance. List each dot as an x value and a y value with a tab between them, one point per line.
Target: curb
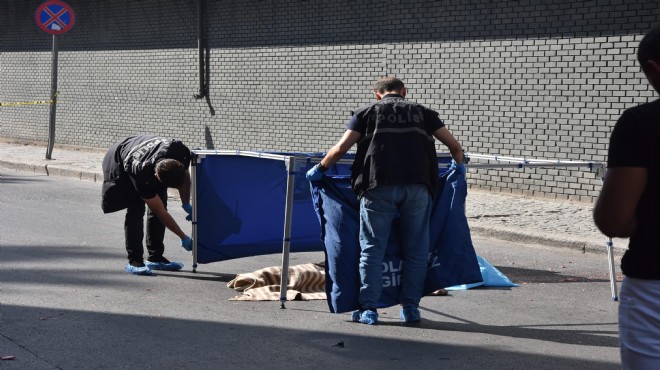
52	170
518	237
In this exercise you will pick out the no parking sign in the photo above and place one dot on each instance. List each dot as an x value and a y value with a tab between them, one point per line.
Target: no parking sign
55	17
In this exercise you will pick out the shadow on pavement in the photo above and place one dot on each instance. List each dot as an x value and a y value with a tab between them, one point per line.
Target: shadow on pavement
207	276
54	338
582	337
7	178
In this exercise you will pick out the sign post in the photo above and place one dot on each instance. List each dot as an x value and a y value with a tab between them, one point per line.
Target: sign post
53	99
54	17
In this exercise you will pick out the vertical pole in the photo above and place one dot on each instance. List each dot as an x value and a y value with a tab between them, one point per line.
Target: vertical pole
286	243
53	99
610	258
193	196
610	250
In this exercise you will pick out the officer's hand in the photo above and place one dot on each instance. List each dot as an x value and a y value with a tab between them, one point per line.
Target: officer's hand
459	168
187	243
314	174
188	208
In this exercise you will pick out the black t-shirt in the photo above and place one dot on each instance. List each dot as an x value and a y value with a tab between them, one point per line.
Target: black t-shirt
138	156
396	144
635	142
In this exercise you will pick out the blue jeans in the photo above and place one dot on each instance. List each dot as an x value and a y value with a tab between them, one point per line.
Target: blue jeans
379	207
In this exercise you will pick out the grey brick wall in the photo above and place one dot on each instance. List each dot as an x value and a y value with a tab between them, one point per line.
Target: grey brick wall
535	78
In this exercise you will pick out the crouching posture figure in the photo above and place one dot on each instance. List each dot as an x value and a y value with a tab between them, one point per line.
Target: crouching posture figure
137	171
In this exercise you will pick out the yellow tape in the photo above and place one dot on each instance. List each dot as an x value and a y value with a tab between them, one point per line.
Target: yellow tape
17	103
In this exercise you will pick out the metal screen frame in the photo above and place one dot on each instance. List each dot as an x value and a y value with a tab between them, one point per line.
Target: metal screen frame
514	162
292	159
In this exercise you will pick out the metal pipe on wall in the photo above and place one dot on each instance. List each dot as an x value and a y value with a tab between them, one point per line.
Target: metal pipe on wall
200	46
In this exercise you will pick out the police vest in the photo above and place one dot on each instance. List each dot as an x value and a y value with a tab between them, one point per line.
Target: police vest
396	148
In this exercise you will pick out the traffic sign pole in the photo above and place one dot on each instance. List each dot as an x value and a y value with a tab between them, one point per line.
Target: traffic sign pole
54	17
53	99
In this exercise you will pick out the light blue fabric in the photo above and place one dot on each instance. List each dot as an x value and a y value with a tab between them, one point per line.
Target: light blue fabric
379	207
137	270
410	314
366	317
491	277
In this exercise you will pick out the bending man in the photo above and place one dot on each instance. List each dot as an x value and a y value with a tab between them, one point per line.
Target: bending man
137	171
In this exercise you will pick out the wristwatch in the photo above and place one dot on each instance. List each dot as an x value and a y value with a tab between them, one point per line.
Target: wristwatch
321	167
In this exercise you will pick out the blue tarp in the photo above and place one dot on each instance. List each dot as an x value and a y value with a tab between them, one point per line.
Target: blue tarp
240	208
240	213
452	259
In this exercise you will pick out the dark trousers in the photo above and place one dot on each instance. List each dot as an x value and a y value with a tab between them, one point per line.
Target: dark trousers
119	193
134	230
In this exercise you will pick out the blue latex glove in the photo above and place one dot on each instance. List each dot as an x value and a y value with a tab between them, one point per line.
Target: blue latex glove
314	174
188	208
459	168
187	243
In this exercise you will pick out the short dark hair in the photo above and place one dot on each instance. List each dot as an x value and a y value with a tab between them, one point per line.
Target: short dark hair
388	84
171	172
649	47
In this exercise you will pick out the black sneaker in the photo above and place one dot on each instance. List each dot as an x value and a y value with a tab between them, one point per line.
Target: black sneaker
162	263
160	259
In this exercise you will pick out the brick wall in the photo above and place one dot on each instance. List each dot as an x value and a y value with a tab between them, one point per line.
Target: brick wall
536	78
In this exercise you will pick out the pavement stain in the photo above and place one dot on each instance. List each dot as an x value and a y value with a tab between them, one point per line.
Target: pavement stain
48	317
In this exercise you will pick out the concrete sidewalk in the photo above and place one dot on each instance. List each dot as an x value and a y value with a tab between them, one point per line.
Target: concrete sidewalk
555	223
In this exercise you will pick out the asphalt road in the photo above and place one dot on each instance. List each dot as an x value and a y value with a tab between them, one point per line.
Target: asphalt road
65	303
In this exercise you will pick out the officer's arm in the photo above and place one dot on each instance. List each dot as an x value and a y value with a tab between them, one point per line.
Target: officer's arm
158	208
614	213
450	141
344	144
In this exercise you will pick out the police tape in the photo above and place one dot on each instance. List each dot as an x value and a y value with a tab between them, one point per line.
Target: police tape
35	102
15	104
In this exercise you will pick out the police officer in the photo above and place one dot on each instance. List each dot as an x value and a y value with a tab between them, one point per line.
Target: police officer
137	171
394	173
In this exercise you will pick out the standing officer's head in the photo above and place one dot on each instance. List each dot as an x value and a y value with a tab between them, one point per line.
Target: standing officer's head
389	85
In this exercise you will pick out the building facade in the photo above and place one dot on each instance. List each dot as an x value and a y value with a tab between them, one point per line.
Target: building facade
531	78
